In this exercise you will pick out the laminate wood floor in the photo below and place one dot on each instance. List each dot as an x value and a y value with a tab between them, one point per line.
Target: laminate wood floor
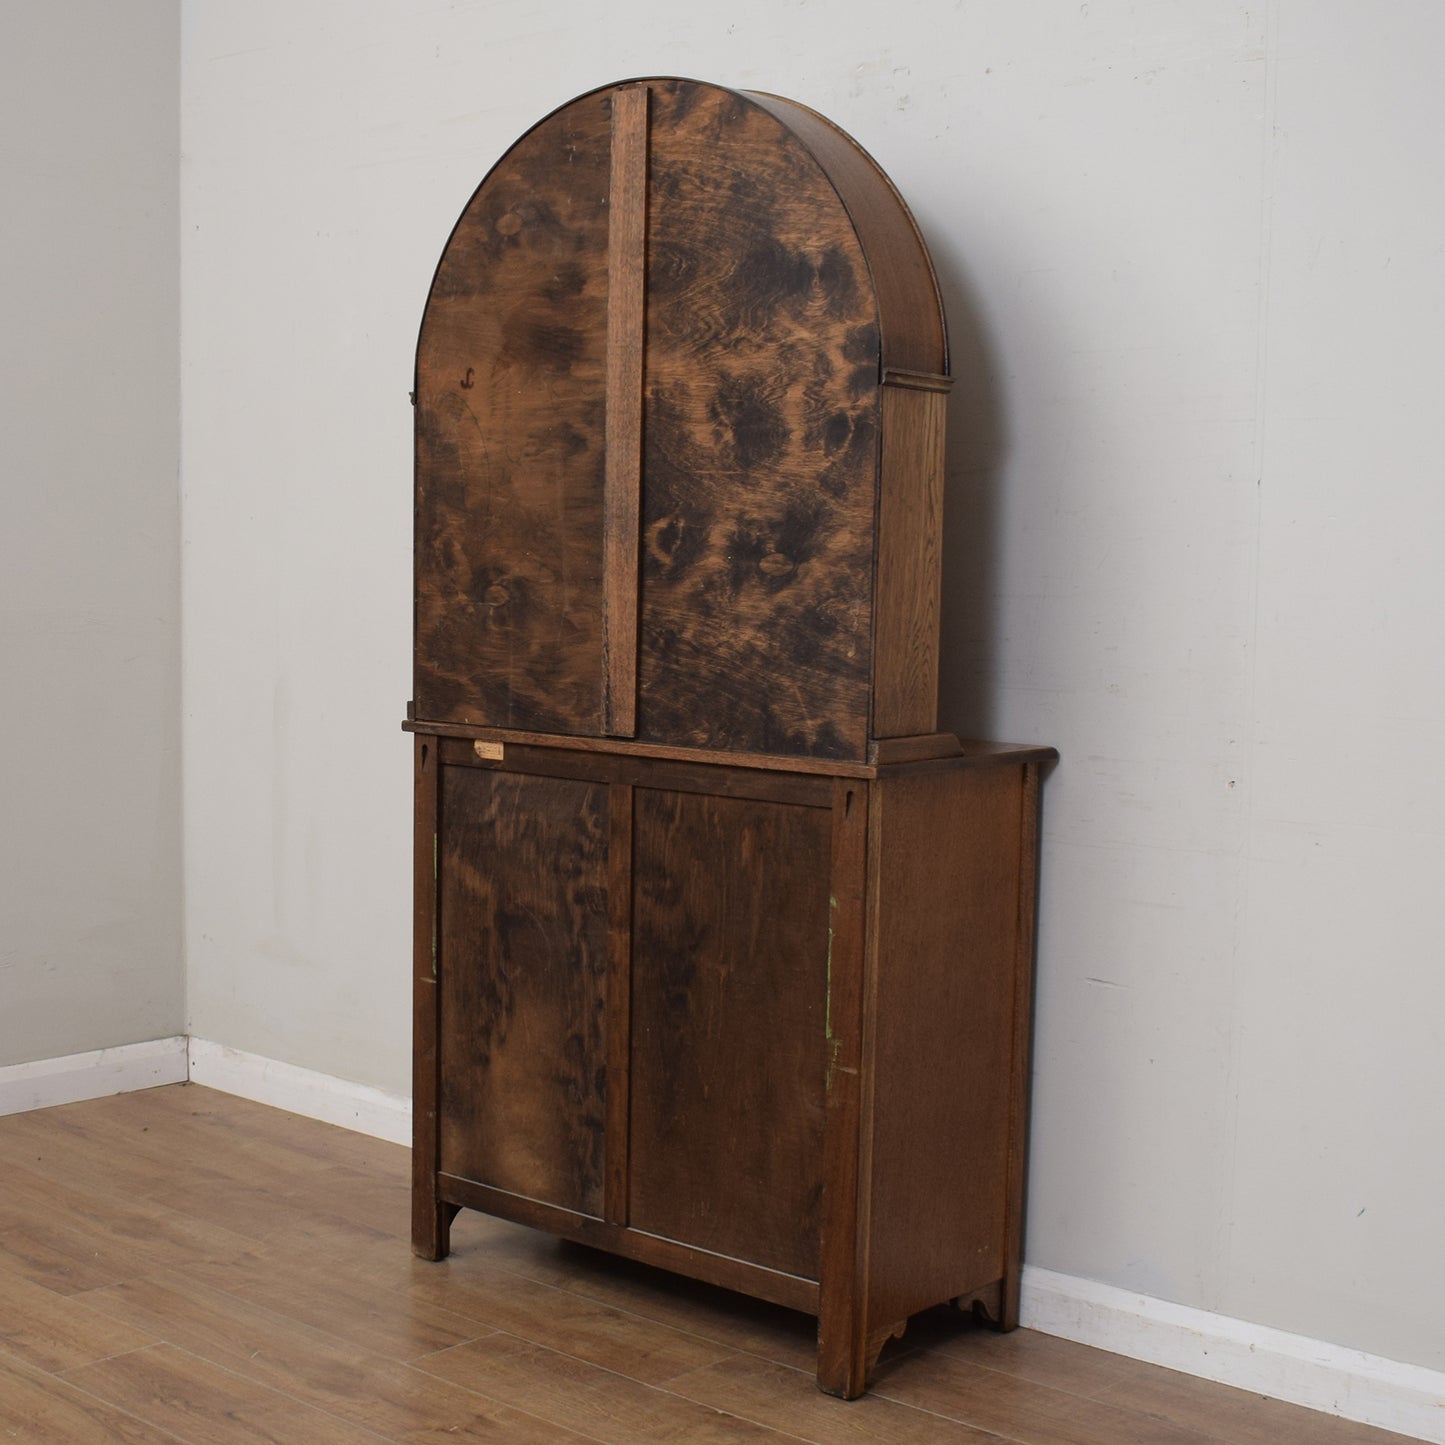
181	1265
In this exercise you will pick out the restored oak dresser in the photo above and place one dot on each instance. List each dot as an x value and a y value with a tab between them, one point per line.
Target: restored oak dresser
723	953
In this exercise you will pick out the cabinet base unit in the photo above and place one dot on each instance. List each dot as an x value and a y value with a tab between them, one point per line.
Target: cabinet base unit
763	1027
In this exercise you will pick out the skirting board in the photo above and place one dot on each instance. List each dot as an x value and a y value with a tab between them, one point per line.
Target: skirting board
361	1107
93	1075
1405	1398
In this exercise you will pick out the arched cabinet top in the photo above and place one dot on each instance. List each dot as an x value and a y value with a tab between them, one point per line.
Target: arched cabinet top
651	457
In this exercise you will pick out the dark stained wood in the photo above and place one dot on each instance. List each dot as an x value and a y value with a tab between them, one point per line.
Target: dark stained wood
919	748
429	1217
910	310
1023	1002
944	876
910	534
731	941
761	428
842	1303
917	380
619	999
511	388
727	1271
729	1003
768	785
818	766
523	982
626	276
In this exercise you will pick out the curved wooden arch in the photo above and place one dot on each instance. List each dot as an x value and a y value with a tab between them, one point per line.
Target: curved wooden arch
650	406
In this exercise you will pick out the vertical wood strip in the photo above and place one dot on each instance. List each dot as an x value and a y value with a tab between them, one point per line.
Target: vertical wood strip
909	560
842	1272
622	500
1022	1033
429	1218
619	1003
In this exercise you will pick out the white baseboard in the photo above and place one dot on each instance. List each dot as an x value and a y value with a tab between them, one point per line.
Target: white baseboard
1375	1391
368	1110
94	1075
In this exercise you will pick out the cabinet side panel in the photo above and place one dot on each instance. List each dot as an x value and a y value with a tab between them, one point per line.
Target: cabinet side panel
730	938
910	529
945	881
522	970
510	441
760	440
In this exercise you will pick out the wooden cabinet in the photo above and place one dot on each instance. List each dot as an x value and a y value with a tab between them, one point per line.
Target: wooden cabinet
723	953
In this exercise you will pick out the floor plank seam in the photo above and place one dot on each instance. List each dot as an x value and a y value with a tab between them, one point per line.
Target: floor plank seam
119	1409
531	1413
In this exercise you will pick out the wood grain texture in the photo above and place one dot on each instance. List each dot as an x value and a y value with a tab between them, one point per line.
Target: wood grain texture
41	1409
944	882
729	978
174	1391
619	999
324	1332
910	309
909	576
842	1285
626	285
1022	1047
511	392
770	786
729	1271
760	439
819	767
523	968
429	1219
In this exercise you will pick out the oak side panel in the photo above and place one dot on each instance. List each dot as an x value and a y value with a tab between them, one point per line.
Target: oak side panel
842	1302
760	439
729	1008
511	390
944	886
523	976
429	1218
910	531
1023	1011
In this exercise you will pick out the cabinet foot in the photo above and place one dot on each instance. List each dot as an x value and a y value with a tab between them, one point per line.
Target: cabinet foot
995	1305
431	1229
848	1376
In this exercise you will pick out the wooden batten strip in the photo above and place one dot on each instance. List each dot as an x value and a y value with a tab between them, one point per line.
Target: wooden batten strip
916	380
619	1002
622	499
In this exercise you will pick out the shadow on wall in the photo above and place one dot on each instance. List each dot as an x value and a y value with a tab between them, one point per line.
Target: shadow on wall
968	652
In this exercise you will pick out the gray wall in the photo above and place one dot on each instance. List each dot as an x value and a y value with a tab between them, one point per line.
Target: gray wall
1192	255
90	865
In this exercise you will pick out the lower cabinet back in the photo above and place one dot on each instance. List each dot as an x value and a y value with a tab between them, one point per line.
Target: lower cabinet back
729	995
767	1029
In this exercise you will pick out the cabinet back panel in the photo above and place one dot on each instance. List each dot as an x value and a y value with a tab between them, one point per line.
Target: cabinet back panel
522	964
760	439
729	997
510	436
